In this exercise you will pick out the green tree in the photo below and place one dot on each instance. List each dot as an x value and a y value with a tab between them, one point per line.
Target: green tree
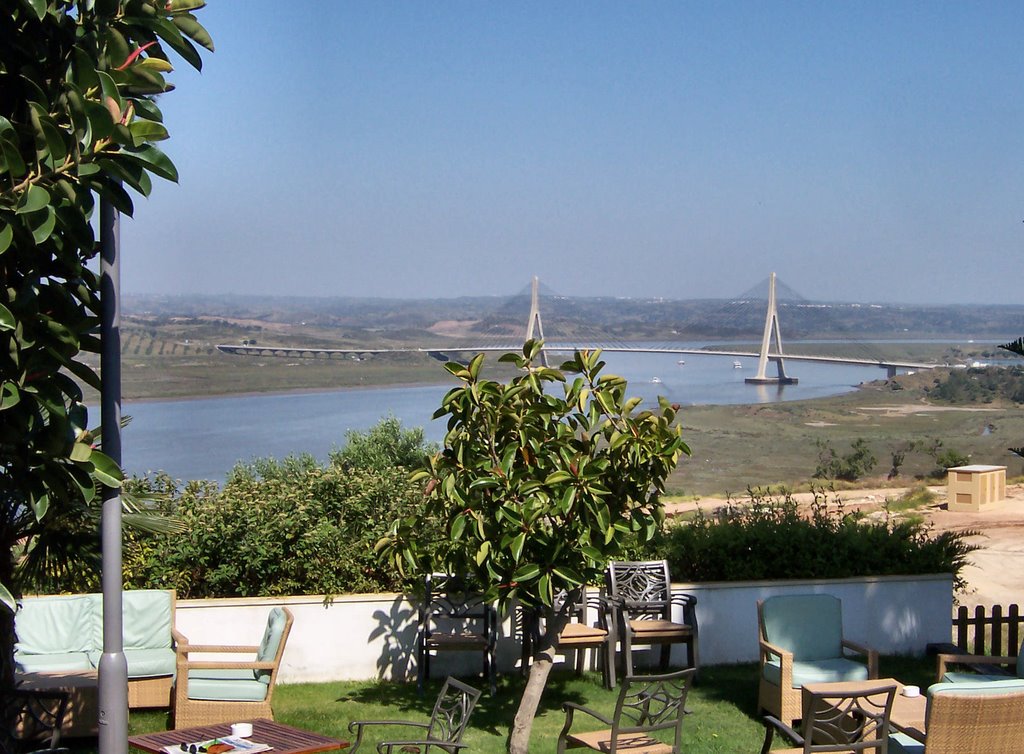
384	446
537	491
78	121
1017	347
850	467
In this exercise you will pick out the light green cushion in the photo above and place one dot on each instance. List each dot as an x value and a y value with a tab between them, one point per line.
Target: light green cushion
808	625
147	619
958	678
901	743
272	636
144	663
222	674
54	625
227	690
821	671
51	663
980	688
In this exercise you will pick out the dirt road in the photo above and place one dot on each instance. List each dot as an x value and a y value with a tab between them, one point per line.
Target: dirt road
996	573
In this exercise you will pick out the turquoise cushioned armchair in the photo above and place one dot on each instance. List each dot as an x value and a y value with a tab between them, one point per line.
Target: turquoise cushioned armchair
801	641
208	692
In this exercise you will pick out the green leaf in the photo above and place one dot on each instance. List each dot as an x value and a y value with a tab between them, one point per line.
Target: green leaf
33	200
483	552
527	572
188	24
105	470
517	546
38	7
80	451
7	598
9	395
6	236
42	224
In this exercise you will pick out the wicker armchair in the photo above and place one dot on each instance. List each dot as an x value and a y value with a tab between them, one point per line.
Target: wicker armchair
984	667
220	691
801	641
981	718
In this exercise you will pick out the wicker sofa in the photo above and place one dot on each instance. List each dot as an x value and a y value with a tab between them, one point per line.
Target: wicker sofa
62	635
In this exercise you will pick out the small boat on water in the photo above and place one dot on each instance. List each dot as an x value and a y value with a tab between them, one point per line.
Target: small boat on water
656	380
737	365
681	362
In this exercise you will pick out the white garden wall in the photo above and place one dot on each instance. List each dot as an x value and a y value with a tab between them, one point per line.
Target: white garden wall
358	637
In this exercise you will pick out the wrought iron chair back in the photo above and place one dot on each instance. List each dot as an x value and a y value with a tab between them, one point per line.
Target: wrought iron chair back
840	720
36	719
451	712
640	596
645	705
454	617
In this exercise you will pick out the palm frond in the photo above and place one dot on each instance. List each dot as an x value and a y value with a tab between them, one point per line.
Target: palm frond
1015	346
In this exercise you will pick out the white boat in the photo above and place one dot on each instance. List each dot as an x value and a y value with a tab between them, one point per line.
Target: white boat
656	380
737	365
681	362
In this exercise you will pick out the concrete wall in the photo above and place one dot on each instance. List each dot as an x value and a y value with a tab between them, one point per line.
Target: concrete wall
358	637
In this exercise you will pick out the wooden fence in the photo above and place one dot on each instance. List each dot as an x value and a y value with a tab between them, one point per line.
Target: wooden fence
991	631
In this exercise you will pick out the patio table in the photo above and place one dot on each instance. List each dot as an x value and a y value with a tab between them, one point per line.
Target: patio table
284	739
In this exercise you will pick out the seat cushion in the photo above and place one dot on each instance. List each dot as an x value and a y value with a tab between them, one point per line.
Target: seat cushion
808	625
821	671
901	743
52	663
659	629
144	663
580	633
226	689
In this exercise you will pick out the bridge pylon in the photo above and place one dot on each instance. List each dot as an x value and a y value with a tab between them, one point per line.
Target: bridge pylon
771	328
534	321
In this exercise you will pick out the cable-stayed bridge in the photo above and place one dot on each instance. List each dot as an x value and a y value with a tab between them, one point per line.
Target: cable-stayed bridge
499	332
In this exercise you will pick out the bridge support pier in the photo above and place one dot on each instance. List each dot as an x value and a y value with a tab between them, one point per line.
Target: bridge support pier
771	327
890	371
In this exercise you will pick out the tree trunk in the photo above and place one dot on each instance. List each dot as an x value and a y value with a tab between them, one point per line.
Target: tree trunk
7	637
543	659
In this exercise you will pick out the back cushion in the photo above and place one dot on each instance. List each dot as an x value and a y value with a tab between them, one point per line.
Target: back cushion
272	638
147	619
808	625
46	625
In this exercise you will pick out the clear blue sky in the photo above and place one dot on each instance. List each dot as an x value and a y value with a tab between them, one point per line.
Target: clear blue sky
865	151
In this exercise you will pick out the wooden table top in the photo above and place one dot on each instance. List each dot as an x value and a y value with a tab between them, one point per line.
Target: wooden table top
283	738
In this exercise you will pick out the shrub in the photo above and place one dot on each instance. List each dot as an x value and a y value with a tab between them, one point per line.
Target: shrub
277	528
850	467
770	538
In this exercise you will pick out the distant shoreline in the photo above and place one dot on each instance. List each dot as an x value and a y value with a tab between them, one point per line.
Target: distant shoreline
283	391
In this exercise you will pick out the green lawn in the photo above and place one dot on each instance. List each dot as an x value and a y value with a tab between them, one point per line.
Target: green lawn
723	704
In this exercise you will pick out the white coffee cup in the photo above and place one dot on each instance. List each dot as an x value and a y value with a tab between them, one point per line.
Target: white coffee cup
241	730
911	691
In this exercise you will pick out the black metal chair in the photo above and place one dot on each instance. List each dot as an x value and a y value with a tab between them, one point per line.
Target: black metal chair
35	717
641	600
453	617
443	732
646	705
577	635
848	717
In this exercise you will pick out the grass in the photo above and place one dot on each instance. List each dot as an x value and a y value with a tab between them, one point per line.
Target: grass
723	703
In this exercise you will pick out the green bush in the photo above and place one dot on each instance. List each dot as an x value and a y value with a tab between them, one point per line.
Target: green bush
276	528
850	467
771	538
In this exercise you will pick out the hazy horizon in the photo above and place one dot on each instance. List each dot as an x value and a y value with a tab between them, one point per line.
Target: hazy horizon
867	153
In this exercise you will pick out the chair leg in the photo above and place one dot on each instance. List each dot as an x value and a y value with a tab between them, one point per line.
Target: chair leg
422	669
665	657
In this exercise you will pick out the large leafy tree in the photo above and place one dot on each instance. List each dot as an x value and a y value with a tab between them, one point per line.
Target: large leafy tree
78	123
541	481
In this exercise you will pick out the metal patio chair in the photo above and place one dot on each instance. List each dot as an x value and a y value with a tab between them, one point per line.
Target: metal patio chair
37	718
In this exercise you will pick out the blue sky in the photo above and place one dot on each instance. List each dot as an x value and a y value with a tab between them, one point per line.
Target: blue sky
867	151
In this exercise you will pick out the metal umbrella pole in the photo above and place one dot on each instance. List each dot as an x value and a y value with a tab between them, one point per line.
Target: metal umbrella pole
113	667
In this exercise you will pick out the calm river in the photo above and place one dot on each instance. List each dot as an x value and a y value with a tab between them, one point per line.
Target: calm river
203	438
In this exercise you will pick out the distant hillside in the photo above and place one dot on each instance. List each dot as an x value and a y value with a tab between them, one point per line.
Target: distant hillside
599	318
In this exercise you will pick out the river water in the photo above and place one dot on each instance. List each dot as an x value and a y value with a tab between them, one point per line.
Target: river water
203	438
